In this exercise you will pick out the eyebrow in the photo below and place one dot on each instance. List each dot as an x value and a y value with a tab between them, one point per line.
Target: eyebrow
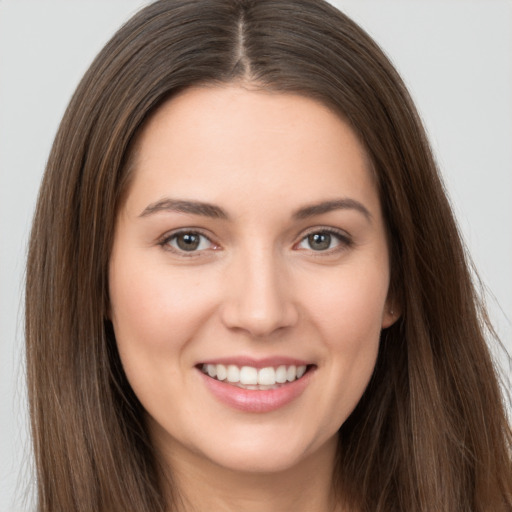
215	212
332	205
182	206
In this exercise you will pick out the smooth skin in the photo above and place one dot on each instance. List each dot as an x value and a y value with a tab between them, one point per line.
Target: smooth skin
254	273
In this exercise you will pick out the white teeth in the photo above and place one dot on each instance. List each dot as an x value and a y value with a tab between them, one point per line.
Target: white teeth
267	376
281	374
248	375
252	377
233	373
222	373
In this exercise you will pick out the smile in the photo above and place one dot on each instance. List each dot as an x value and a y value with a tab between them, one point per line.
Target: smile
249	377
256	387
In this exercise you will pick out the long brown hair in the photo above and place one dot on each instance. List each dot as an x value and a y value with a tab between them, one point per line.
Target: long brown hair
430	432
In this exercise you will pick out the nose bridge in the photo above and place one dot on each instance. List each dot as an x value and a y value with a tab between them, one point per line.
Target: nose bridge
260	297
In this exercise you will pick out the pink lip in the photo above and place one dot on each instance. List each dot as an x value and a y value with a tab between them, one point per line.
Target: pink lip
256	401
257	363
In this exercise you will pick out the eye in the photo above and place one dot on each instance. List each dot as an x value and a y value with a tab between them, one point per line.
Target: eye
323	240
188	241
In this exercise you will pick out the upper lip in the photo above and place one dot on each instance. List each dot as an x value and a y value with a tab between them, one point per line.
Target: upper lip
265	362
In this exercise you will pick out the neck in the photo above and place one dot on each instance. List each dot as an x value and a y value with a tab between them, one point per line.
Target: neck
204	486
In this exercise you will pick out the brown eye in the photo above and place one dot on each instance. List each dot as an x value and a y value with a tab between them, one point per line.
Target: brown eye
324	240
319	241
188	241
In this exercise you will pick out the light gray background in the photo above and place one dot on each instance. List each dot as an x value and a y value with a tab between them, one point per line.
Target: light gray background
456	57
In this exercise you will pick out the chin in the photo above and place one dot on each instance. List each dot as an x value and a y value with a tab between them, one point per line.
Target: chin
268	451
256	461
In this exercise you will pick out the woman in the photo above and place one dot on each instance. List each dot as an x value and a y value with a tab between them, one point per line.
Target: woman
245	287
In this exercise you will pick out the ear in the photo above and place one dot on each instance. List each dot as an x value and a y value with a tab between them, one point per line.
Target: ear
391	313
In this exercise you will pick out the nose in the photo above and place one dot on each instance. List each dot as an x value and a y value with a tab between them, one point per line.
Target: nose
259	296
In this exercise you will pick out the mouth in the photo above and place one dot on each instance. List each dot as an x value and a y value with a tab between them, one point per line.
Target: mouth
257	385
253	378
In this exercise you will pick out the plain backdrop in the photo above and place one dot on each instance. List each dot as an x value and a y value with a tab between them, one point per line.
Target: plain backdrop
455	55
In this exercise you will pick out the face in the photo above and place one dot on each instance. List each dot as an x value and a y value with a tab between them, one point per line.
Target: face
249	277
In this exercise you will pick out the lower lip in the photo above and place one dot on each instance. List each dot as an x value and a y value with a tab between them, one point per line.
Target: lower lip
253	400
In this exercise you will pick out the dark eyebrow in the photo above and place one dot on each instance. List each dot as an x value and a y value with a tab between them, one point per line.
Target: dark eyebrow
183	206
215	212
329	206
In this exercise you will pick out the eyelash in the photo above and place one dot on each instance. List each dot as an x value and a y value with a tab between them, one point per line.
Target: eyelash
343	239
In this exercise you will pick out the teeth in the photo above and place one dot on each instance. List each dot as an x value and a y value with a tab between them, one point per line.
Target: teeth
222	373
266	376
233	373
281	374
249	376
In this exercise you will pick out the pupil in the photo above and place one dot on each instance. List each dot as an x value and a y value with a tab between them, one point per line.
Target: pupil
188	242
319	241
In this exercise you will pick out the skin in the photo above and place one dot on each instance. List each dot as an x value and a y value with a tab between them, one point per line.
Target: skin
254	287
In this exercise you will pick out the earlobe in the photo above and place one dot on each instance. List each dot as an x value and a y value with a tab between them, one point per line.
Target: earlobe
391	315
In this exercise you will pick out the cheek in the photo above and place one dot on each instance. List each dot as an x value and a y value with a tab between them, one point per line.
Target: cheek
155	313
350	306
153	304
348	313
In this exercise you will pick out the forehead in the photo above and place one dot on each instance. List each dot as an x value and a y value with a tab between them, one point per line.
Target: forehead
228	142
